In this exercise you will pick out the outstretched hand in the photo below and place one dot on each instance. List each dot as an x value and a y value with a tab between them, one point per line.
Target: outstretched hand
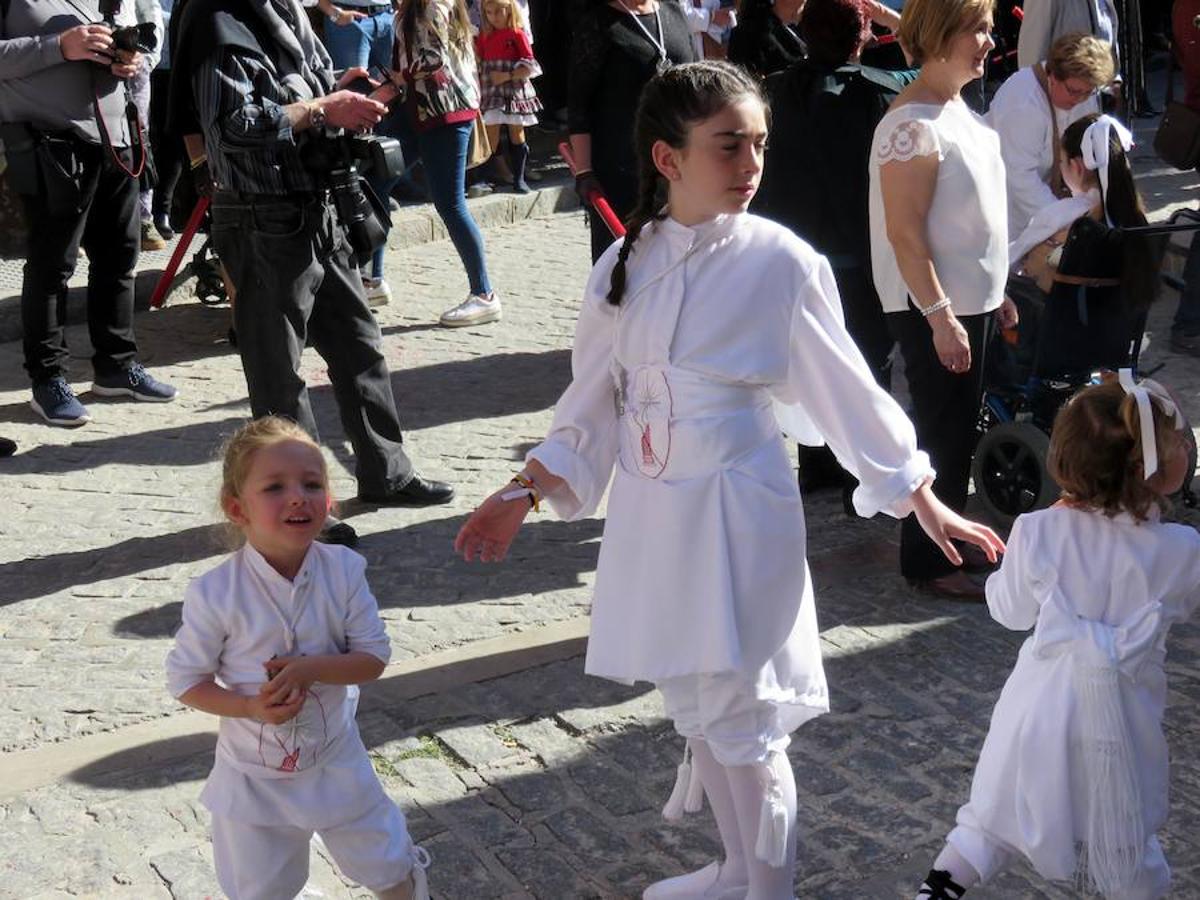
489	531
944	526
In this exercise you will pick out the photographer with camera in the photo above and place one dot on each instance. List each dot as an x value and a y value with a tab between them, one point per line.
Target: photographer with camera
75	150
290	222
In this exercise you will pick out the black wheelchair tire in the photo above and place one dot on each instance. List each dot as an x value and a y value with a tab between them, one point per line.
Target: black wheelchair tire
1009	471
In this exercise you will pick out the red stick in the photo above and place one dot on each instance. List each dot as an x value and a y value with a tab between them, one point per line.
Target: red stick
185	240
595	197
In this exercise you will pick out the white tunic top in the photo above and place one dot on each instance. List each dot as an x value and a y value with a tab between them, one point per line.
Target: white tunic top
702	564
235	618
1020	114
1083	582
966	228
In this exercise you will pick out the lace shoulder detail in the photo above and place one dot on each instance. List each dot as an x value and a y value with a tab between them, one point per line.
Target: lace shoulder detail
907	140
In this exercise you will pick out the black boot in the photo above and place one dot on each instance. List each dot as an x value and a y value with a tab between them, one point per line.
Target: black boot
518	156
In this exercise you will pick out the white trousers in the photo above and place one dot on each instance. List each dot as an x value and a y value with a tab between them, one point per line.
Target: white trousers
262	862
721	708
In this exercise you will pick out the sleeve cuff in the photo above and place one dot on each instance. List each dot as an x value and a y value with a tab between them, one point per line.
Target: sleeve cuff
893	495
573	500
179	683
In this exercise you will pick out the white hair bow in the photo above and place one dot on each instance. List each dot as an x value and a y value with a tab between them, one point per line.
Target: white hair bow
1095	148
1142	393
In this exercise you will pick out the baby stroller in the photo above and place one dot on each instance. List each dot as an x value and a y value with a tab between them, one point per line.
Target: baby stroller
1084	328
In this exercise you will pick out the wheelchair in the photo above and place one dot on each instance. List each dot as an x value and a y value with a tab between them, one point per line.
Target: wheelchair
1082	329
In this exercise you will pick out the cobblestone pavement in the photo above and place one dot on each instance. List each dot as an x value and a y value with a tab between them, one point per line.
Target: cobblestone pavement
542	783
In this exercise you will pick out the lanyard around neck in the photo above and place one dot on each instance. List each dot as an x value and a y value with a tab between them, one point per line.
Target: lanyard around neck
659	45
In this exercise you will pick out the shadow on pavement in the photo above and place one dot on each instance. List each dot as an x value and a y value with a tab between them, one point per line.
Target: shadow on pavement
44	575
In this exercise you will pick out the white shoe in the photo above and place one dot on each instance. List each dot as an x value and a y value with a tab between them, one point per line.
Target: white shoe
421	862
698	885
477	309
379	293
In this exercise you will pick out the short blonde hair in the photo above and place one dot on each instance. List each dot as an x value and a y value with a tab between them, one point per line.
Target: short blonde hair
1082	56
928	26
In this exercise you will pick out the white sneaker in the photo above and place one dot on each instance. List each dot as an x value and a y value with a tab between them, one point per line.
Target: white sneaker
420	878
477	309
694	885
379	293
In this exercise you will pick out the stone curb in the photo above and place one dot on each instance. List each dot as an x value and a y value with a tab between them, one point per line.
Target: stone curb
411	226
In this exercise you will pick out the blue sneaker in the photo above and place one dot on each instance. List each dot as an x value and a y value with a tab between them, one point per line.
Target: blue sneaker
55	402
134	382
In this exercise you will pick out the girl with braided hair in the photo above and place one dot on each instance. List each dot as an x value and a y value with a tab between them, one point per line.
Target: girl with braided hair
701	336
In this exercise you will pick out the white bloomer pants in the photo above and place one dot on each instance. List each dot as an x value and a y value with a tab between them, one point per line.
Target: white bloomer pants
270	862
721	709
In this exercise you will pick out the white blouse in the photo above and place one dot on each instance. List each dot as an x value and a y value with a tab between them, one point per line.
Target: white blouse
726	331
967	225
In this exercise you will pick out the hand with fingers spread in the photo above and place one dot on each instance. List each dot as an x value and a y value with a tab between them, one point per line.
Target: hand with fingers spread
491	529
944	526
89	43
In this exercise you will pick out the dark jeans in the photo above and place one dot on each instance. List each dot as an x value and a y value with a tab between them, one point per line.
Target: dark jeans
945	412
443	150
107	227
297	283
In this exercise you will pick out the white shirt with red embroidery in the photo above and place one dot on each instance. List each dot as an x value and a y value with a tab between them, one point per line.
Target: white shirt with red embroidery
235	618
728	333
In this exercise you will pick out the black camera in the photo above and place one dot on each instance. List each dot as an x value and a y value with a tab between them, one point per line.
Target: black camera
140	38
340	162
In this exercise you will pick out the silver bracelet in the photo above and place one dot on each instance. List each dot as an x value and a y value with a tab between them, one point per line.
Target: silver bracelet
928	311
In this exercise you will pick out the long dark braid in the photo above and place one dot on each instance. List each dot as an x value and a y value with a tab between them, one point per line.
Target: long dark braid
671	104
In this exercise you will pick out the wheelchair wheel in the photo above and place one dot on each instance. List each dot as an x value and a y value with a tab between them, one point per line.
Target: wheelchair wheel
1010	471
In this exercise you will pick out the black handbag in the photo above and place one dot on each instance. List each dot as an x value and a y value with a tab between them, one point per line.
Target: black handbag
1177	141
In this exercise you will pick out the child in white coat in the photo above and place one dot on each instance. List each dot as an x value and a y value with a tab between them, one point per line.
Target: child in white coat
700	334
275	641
1073	773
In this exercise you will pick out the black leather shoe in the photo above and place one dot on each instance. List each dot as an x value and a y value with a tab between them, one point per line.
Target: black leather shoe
338	532
418	492
7	447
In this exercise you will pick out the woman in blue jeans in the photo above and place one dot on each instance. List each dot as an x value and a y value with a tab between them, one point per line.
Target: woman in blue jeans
435	62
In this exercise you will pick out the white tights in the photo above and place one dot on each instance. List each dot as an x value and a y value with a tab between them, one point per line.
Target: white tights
737	795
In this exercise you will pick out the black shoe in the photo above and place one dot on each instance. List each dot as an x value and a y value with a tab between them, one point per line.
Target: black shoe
418	492
7	447
940	886
338	532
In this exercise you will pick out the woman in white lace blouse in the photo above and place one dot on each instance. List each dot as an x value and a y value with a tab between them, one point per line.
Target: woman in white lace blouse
939	253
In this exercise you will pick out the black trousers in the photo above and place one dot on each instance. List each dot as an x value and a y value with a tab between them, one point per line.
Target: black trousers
945	413
166	146
106	225
297	283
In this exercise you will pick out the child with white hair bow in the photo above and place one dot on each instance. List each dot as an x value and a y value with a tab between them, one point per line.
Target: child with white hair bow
1073	772
1095	166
